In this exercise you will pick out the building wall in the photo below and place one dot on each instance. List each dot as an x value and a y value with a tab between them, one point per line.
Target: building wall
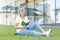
50	21
7	20
58	18
1	19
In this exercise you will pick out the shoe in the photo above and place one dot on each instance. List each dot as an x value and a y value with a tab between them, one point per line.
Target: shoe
48	33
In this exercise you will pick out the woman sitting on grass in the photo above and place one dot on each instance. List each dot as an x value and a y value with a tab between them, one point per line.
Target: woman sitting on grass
23	28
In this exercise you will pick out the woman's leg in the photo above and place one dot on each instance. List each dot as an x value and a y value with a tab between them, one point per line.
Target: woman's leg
35	25
33	33
29	32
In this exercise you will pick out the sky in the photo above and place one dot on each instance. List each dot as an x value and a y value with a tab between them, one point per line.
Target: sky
51	2
1	4
5	2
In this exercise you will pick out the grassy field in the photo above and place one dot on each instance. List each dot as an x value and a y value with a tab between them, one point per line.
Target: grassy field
7	33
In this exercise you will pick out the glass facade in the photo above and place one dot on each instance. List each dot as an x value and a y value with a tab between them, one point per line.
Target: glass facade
42	11
45	11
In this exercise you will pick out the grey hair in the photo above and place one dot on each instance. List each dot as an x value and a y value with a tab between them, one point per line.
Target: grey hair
22	9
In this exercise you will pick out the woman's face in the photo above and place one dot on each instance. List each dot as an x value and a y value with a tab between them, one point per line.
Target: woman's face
22	13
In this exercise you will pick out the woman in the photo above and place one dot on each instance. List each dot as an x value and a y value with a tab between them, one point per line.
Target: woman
23	28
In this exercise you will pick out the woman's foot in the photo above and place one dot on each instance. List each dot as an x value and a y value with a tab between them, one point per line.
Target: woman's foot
48	33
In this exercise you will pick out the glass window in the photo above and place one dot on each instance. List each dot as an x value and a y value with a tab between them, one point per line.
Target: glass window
51	6
46	11
57	11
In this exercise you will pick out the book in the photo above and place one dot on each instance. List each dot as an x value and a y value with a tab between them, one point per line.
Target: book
24	23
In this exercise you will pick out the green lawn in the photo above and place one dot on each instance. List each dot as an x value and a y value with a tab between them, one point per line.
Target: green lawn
7	33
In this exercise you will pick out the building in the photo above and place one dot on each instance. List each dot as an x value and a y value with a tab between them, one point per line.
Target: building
36	10
58	15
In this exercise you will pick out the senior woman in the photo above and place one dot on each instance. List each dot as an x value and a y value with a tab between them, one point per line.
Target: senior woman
23	28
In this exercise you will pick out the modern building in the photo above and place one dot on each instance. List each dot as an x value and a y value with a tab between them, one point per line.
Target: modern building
37	10
58	15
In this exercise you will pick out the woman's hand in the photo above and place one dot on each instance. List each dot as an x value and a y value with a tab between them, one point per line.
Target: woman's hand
25	27
16	27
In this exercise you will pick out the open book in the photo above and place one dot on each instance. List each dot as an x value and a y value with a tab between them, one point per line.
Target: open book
24	23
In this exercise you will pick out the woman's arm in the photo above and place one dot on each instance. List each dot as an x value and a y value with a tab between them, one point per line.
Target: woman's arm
16	27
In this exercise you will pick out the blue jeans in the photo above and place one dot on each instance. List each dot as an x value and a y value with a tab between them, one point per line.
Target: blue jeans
30	30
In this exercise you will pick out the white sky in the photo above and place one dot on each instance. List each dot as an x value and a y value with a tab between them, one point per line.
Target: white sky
5	2
1	3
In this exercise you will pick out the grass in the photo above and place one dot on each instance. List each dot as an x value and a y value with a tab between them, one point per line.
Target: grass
7	33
